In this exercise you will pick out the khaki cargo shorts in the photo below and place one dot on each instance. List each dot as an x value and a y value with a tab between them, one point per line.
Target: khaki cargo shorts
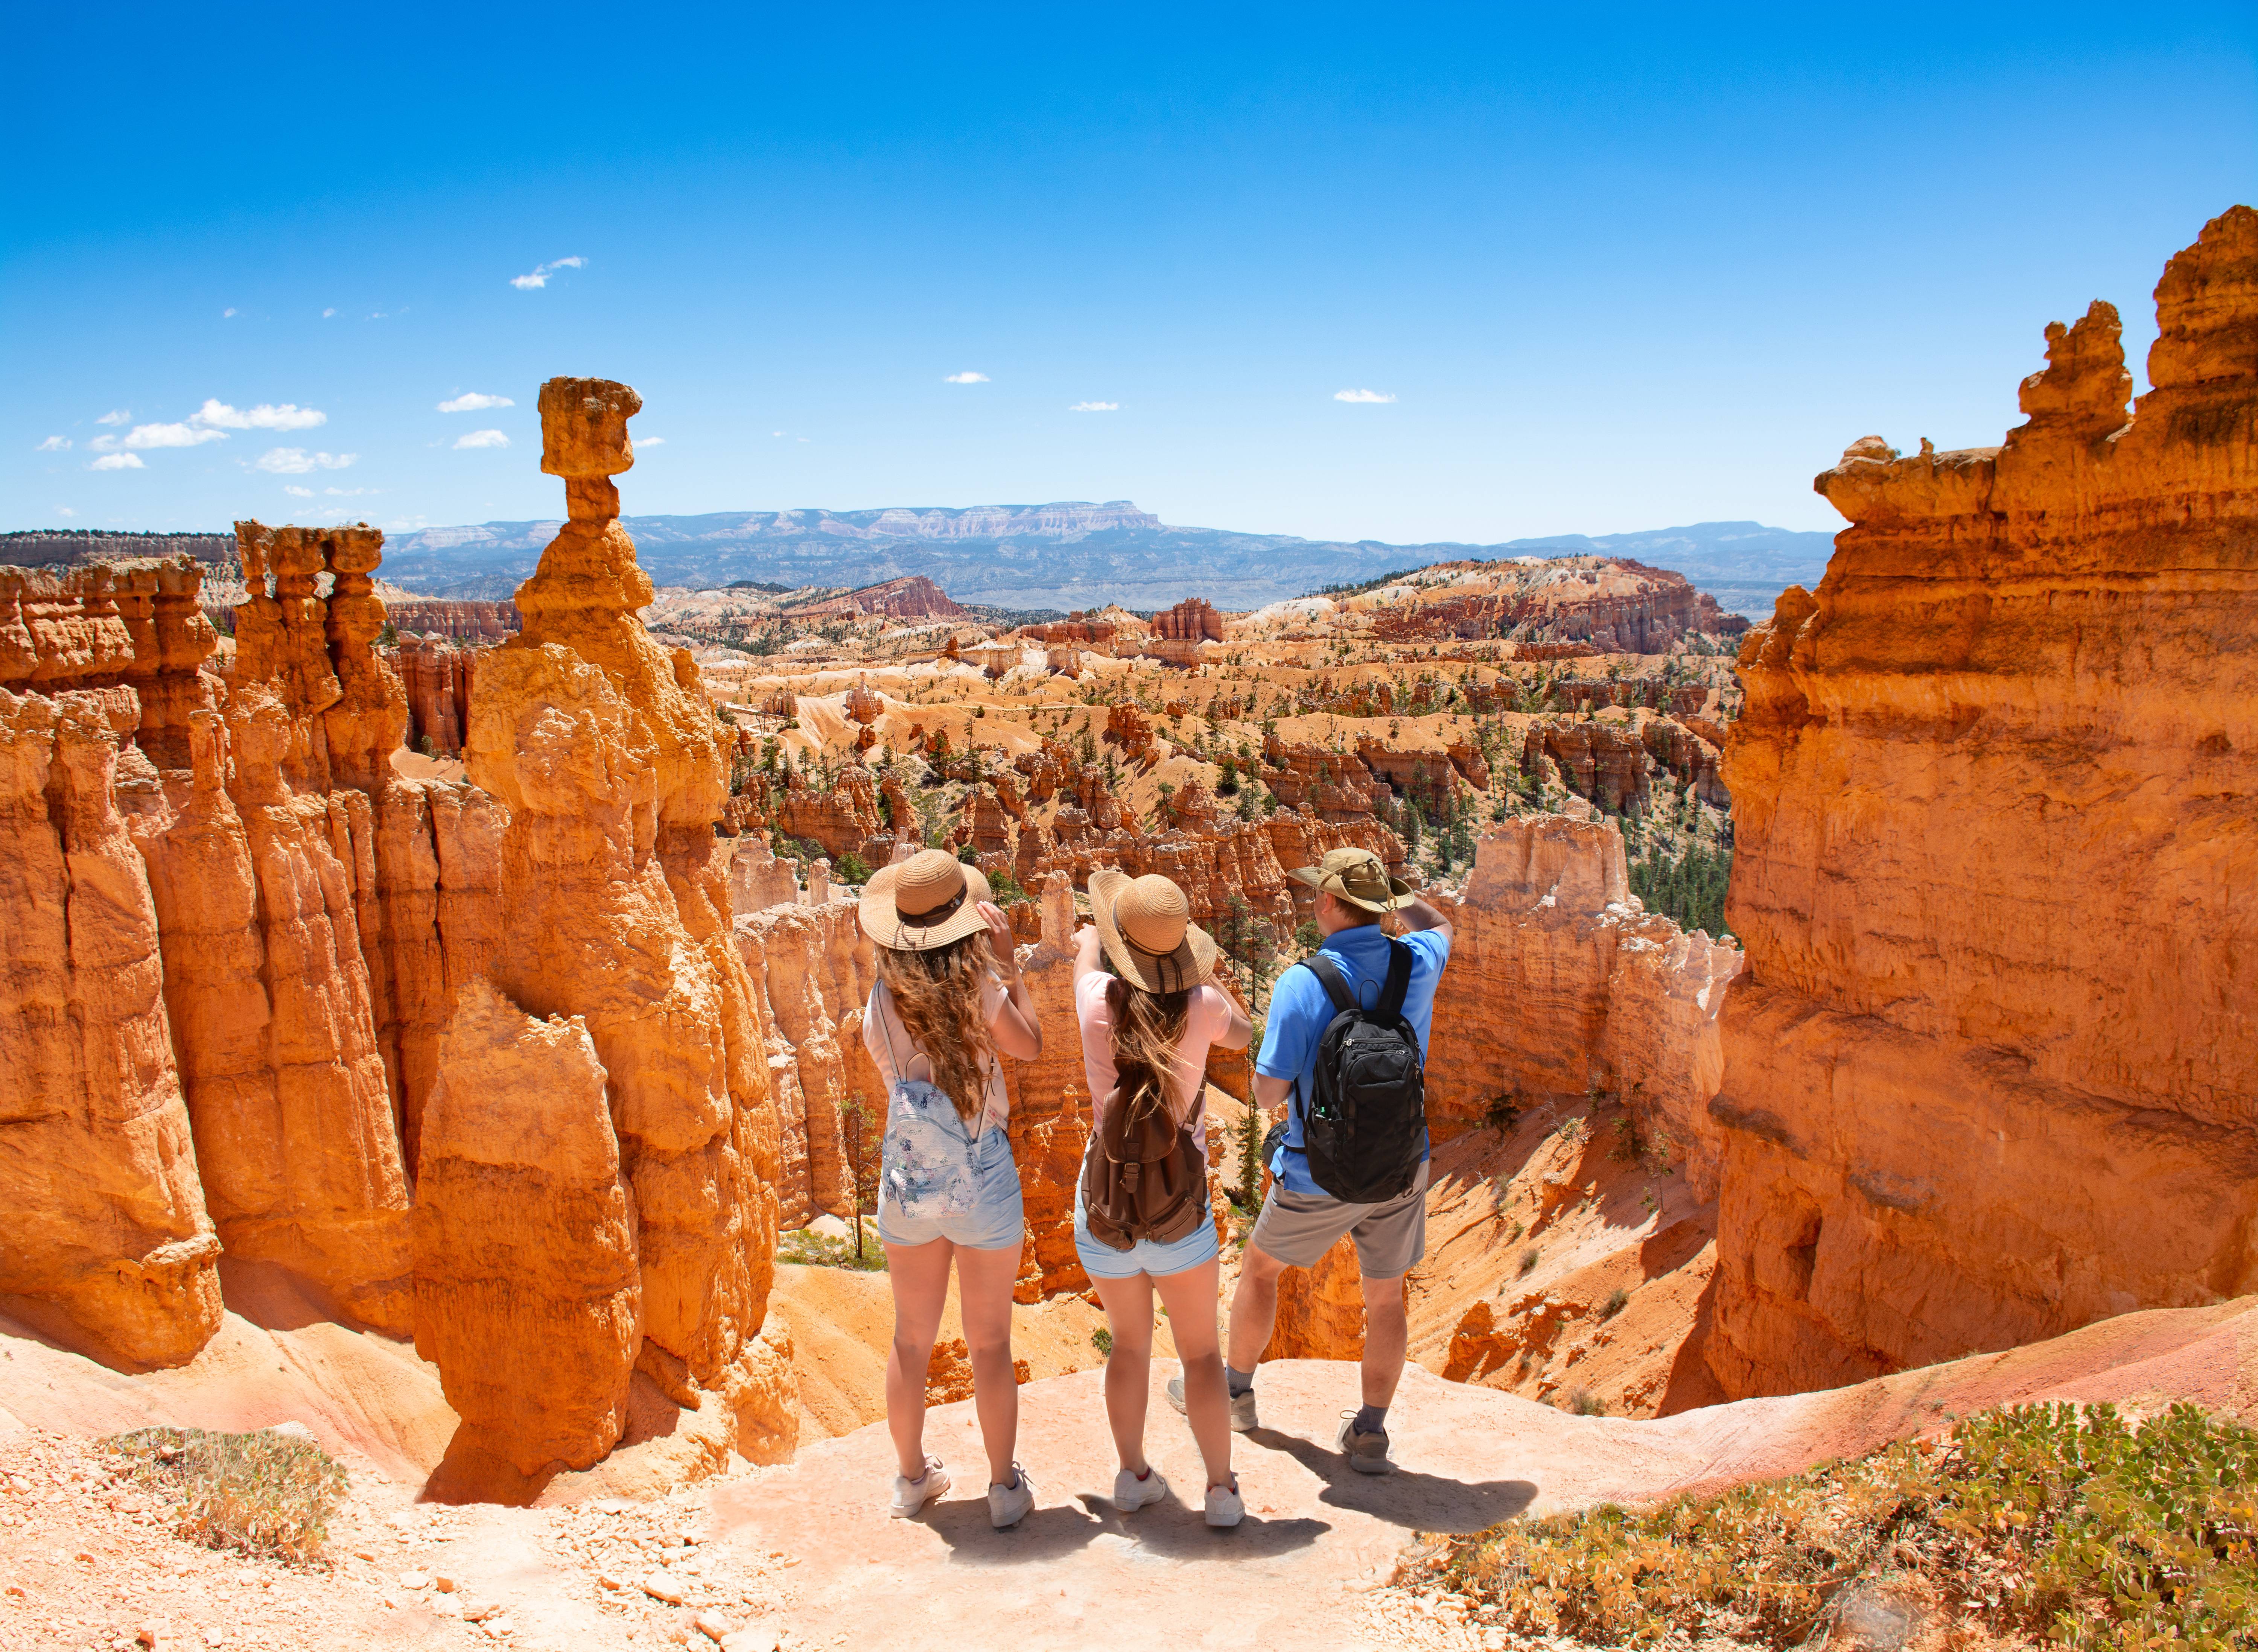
1298	1228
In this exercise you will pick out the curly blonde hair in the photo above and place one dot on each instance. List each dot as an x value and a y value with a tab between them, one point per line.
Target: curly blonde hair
937	994
1147	1029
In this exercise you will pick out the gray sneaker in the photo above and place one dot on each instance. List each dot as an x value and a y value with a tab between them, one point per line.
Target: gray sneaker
1242	1407
1367	1453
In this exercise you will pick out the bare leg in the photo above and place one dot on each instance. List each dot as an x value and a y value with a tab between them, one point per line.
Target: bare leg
1189	1297
1387	1334
983	1282
1129	1368
919	1276
1253	1307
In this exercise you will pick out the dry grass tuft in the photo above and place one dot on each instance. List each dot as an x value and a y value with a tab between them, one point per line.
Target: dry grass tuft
263	1494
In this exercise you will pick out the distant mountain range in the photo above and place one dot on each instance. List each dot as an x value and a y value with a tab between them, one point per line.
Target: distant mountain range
1069	555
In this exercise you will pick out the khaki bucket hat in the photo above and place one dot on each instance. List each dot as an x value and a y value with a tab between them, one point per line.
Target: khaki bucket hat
1146	927
925	902
1358	876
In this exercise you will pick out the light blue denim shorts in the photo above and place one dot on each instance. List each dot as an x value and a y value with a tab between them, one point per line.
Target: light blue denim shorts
997	1219
1102	1261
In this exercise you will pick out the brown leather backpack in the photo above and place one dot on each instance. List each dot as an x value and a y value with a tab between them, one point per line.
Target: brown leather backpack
1143	1176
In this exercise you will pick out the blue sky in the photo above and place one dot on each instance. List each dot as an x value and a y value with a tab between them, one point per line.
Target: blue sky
1615	267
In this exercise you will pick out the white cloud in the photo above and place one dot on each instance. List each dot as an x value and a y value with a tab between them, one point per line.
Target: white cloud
297	492
53	444
1094	407
482	439
65	510
264	417
966	379
650	441
116	416
118	462
144	436
538	276
327	314
474	401
1361	395
298	461
225	314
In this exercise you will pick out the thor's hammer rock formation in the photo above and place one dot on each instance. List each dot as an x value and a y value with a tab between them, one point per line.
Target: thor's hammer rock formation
615	914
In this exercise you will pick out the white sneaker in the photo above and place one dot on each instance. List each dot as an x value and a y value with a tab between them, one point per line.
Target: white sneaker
1131	1493
1242	1407
1008	1505
1223	1508
912	1495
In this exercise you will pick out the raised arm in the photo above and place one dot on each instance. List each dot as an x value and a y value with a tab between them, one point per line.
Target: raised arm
1420	915
1016	1031
1085	952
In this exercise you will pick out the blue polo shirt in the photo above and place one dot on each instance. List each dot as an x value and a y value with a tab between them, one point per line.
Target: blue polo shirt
1300	1012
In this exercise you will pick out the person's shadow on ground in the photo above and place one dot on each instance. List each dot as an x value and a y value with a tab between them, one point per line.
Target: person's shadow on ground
1171	1530
1406	1496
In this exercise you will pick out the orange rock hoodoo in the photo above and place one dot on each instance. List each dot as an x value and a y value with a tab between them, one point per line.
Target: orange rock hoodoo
616	915
1990	1077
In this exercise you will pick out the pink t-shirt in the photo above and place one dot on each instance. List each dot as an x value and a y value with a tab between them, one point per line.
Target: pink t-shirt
1208	1020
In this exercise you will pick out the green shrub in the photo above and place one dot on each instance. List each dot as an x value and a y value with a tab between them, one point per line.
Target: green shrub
2064	1526
1529	1258
1102	1340
263	1494
1617	1299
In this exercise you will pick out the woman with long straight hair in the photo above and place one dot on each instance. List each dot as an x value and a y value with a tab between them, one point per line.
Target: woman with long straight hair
1149	1010
948	1001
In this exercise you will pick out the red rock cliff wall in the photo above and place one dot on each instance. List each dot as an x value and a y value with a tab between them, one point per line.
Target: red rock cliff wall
1991	1075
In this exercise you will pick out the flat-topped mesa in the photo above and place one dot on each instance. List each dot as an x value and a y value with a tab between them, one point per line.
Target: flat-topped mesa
1996	798
134	622
317	648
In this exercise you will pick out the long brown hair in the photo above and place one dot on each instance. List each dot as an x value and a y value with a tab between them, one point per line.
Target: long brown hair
937	995
1148	1028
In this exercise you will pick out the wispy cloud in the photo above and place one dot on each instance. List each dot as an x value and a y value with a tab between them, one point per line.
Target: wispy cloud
966	379
226	313
1362	395
298	461
482	439
118	462
474	401
328	313
297	492
650	441
264	417
1094	407
116	416
53	444
539	275
146	437
65	510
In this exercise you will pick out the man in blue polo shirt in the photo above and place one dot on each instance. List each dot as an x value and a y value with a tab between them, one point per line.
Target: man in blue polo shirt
1300	1222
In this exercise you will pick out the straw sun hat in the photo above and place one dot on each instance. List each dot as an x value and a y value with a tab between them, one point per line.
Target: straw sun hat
1356	876
1146	927
925	902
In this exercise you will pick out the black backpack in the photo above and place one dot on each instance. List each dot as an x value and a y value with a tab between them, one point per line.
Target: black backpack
1365	1127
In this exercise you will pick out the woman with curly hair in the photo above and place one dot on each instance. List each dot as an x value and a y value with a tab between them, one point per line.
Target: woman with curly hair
1149	1009
948	1002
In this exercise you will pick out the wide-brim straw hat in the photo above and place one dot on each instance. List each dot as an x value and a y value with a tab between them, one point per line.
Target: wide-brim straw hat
1359	877
1146	927
927	901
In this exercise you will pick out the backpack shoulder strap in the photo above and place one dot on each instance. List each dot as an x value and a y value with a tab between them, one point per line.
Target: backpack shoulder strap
1399	980
1330	978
